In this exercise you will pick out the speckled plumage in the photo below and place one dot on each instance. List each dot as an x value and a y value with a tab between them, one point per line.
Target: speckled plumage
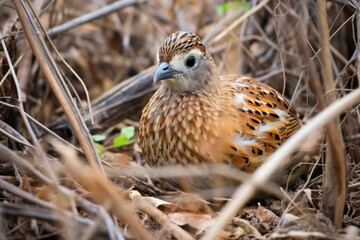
196	116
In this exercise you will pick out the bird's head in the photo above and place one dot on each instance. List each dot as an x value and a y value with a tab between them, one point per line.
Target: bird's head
184	64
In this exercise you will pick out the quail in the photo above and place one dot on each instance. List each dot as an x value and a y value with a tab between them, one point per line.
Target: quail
198	116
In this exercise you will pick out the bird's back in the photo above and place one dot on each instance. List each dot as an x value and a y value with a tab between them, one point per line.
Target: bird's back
264	120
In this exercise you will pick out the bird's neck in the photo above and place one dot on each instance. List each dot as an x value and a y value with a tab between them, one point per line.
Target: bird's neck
210	96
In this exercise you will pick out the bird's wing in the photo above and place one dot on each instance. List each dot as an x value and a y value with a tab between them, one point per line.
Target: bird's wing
264	120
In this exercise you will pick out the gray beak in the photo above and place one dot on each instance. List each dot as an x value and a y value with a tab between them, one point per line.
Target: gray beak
164	71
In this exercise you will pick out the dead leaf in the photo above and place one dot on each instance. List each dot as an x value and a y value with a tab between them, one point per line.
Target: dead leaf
238	232
265	215
288	218
307	192
198	221
117	158
247	227
157	202
188	202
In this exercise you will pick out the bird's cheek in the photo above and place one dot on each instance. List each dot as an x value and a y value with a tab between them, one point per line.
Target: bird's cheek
174	83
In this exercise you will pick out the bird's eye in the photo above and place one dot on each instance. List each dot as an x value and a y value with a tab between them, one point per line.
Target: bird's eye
190	61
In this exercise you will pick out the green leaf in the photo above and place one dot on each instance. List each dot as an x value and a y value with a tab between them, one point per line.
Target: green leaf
124	137
100	150
121	140
222	7
245	5
98	137
129	132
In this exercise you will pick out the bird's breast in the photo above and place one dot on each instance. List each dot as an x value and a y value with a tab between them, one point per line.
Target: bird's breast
175	130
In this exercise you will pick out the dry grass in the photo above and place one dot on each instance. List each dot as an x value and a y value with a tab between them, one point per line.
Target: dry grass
47	188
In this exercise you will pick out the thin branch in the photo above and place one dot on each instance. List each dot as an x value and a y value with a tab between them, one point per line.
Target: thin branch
117	5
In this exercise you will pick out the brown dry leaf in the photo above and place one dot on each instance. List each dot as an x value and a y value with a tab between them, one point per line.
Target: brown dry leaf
238	232
153	201
196	220
247	227
117	158
59	200
43	192
188	202
265	215
199	221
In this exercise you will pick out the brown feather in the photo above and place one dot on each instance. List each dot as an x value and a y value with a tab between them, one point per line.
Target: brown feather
237	119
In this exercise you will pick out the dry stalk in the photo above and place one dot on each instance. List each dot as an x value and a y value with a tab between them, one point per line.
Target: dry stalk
34	34
357	5
39	153
103	191
51	212
334	195
40	125
58	214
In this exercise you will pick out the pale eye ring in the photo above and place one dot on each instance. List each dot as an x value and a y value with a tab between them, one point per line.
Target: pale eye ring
190	61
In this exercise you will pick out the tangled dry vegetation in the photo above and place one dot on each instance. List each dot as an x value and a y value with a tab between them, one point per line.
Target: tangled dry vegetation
52	183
